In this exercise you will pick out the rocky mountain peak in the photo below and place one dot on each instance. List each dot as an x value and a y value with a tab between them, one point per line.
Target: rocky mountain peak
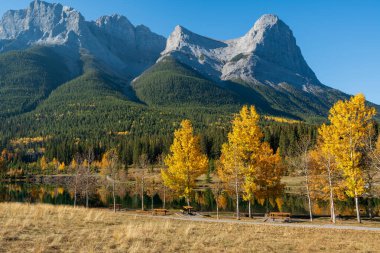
114	21
182	38
176	39
269	44
112	41
117	26
259	32
41	21
266	21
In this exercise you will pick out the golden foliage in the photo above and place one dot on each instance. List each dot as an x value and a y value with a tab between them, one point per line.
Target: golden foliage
238	154
30	140
61	166
222	201
43	163
268	173
249	163
282	120
185	162
320	164
350	122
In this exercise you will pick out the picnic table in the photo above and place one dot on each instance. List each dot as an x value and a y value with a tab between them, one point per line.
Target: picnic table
279	216
187	209
160	211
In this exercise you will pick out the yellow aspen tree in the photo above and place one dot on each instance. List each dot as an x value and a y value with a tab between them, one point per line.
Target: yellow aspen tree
185	163
376	155
324	161
268	173
249	187
350	120
231	171
217	191
240	152
61	166
43	163
73	164
326	180
371	167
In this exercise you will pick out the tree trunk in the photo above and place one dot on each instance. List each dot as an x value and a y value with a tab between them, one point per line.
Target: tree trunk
75	191
217	210
87	191
237	201
188	201
114	197
308	194
249	209
152	202
142	194
309	203
164	203
357	209
75	197
86	199
332	206
333	216
306	170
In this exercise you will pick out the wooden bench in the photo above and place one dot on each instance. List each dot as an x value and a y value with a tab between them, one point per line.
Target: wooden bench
117	207
160	211
187	209
279	216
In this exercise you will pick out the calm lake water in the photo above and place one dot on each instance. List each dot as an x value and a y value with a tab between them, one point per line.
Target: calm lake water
61	195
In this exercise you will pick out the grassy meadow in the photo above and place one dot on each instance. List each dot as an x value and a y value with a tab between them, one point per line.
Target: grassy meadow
45	228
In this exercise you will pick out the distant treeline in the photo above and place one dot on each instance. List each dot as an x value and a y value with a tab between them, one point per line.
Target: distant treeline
130	147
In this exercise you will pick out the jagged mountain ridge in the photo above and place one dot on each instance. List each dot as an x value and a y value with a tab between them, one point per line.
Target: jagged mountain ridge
112	40
270	41
264	67
266	59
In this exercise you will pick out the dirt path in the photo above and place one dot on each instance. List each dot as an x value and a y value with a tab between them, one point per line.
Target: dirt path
321	226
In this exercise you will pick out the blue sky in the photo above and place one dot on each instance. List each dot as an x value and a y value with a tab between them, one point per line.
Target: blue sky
340	39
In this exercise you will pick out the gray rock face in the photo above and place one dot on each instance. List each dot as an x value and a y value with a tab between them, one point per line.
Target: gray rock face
41	23
266	55
112	40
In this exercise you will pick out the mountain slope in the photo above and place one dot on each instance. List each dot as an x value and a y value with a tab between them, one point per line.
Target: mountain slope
27	77
72	78
172	83
266	61
120	47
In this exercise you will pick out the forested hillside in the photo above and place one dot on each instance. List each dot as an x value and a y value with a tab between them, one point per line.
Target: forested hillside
171	83
27	77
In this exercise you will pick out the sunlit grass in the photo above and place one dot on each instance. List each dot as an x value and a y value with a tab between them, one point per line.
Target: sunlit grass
45	228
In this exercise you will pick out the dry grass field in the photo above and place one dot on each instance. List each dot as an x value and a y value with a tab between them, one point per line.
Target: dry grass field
44	228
